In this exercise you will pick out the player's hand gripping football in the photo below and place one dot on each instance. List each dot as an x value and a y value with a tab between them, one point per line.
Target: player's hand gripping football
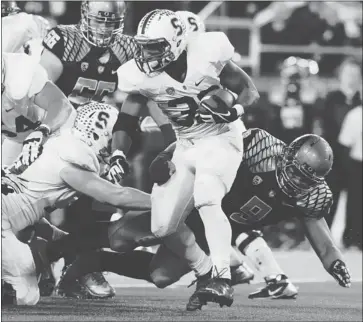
340	272
161	169
119	167
32	149
219	107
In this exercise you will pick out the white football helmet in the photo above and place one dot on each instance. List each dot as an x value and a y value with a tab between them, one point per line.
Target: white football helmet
161	36
193	22
93	125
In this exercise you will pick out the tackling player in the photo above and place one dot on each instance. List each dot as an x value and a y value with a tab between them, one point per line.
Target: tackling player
32	109
83	60
75	157
176	73
274	182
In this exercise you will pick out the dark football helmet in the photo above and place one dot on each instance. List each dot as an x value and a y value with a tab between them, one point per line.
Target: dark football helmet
9	8
102	21
303	165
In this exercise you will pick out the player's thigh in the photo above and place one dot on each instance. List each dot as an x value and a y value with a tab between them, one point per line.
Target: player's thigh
217	163
172	201
131	231
18	269
167	268
10	150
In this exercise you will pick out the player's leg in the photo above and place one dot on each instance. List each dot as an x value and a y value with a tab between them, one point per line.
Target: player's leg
18	269
10	150
78	216
256	249
218	159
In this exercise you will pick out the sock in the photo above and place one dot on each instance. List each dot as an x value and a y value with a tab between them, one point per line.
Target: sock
183	244
134	264
260	255
218	233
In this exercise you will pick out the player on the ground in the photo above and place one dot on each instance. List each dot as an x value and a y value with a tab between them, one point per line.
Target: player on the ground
32	109
75	157
82	59
177	73
274	182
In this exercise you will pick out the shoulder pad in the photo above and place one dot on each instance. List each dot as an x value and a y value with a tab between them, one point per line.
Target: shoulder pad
261	150
76	152
124	48
214	46
66	42
130	78
317	203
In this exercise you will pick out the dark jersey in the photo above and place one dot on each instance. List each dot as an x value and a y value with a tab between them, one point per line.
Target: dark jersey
89	72
255	199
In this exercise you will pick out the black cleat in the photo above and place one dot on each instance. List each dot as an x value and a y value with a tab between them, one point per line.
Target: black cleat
241	274
278	287
8	294
218	290
194	302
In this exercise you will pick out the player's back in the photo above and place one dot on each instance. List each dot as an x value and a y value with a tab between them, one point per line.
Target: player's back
89	72
24	78
206	56
40	188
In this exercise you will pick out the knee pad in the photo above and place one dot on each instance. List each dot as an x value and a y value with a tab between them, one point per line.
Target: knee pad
244	240
209	190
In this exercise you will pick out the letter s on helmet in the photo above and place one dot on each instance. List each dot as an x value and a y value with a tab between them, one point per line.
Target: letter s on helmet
304	164
161	37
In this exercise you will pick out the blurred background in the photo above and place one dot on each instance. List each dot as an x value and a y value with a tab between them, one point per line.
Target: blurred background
305	59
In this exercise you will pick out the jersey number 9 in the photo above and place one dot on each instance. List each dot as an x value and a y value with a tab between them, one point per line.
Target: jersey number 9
251	212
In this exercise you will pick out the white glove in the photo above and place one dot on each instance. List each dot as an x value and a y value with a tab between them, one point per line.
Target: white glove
32	149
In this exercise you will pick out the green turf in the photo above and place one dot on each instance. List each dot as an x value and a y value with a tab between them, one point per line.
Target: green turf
316	302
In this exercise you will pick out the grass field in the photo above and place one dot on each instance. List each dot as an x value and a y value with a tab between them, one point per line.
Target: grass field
316	302
321	300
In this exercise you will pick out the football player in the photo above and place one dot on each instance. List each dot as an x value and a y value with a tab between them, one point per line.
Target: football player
32	109
177	73
82	60
22	32
75	156
274	182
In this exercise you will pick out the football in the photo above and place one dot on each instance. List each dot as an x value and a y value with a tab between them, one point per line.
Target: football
218	99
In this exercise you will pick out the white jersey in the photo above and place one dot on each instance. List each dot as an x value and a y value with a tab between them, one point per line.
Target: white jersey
24	78
207	54
19	29
40	189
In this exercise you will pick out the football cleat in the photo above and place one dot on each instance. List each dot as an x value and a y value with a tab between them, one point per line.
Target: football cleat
73	290
218	290
278	287
97	286
194	302
241	274
8	294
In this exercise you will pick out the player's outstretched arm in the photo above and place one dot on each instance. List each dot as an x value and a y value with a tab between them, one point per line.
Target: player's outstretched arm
236	80
52	64
318	233
58	107
90	184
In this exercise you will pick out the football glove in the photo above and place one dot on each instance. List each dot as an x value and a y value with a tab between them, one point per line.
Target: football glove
161	169
32	149
225	115
340	272
119	167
